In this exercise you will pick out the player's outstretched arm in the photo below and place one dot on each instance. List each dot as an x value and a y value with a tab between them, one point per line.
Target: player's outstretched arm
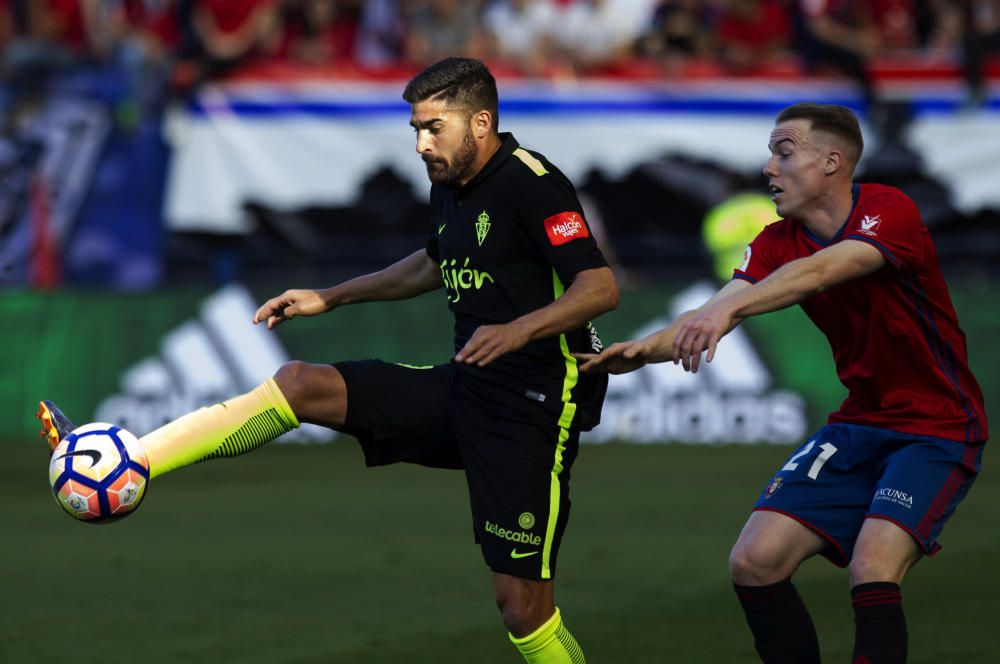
592	293
414	275
790	284
627	356
656	347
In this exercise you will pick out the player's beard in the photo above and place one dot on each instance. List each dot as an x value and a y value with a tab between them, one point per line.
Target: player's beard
441	171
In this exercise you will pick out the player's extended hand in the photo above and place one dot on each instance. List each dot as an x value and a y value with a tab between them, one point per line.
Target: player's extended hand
288	305
489	342
617	358
699	333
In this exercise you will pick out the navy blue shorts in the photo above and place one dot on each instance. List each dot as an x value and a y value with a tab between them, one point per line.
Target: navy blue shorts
847	473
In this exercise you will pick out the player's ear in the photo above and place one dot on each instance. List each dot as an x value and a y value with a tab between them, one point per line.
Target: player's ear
834	161
482	123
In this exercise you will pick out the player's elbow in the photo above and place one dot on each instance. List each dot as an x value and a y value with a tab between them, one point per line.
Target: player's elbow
611	297
817	279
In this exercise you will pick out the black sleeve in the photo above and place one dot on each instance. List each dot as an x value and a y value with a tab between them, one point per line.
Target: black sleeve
550	211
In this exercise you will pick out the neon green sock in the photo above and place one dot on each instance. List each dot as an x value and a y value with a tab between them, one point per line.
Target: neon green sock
550	644
227	429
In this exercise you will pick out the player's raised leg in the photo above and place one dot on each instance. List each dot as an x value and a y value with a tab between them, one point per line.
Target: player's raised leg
769	550
299	392
535	624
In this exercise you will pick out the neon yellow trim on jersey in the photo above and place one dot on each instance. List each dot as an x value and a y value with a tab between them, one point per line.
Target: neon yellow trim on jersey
415	366
531	162
565	420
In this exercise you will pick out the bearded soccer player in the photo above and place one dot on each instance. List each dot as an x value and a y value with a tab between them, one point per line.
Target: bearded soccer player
523	277
873	488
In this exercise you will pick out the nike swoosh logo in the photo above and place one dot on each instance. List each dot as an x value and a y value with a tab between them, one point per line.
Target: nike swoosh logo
441	227
95	456
515	555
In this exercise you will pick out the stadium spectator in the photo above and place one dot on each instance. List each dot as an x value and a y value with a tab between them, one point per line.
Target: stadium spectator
840	35
507	232
149	43
981	38
942	27
595	34
873	488
441	28
319	31
752	33
154	26
45	36
896	22
85	27
229	32
521	32
381	34
678	30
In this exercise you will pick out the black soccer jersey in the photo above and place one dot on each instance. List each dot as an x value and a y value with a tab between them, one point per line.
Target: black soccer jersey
508	243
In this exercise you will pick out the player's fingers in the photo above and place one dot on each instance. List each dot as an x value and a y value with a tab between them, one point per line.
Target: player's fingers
713	343
683	343
589	360
266	311
502	345
476	348
489	356
697	346
486	353
684	350
692	361
470	347
675	350
464	352
272	307
602	361
476	355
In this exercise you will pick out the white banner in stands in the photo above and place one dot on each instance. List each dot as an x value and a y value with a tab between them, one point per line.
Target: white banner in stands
289	146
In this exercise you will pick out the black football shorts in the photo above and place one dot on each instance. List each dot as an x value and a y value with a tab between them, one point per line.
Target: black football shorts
517	472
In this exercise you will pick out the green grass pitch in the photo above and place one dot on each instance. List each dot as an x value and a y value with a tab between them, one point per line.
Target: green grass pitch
298	554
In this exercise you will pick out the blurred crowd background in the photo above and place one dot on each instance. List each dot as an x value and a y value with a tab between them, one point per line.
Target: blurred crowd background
192	40
187	41
87	85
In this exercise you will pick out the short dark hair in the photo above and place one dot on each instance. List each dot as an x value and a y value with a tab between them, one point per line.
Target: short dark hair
838	121
462	82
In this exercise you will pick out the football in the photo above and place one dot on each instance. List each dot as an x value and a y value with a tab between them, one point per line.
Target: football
98	473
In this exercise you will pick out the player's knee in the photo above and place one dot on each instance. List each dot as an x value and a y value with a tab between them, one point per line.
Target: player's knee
751	564
305	384
866	568
519	618
292	379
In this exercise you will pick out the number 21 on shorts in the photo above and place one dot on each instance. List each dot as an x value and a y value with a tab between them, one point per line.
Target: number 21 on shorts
828	451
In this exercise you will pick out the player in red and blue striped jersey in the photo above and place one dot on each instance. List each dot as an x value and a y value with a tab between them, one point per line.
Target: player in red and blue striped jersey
873	488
